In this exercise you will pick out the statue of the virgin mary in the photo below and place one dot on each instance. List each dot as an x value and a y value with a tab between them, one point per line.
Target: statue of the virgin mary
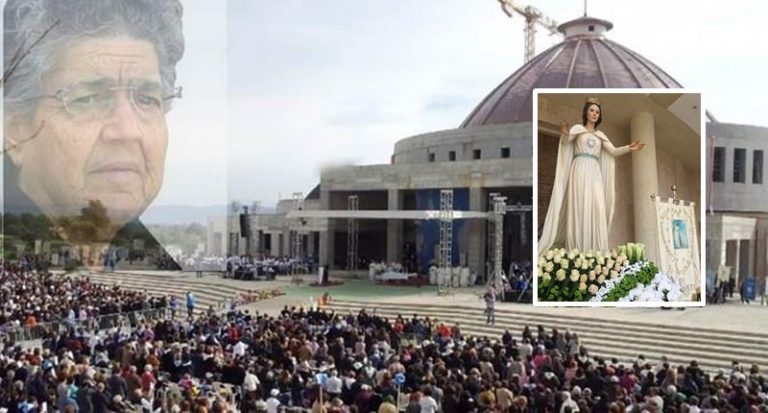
581	207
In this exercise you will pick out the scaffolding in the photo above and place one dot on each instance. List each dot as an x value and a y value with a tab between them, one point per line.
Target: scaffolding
490	253
353	204
296	239
497	228
446	242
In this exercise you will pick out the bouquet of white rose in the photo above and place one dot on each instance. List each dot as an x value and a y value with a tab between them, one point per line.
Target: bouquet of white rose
575	275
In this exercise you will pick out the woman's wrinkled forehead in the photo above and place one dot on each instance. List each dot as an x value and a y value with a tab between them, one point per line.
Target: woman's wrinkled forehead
119	60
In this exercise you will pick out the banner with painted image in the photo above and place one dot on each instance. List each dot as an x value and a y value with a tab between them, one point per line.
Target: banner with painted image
677	241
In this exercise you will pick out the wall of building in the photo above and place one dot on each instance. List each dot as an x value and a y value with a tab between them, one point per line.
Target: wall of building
730	195
216	241
463	142
491	173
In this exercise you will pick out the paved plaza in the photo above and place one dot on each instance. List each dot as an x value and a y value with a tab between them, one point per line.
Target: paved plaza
732	316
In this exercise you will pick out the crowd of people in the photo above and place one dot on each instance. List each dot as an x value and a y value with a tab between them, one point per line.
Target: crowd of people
320	361
249	267
34	300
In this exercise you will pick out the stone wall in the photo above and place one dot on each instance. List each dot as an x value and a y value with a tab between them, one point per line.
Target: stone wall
488	139
735	196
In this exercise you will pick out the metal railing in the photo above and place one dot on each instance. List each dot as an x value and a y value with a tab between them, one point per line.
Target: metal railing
49	329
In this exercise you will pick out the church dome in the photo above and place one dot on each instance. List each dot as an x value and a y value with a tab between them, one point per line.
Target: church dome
584	59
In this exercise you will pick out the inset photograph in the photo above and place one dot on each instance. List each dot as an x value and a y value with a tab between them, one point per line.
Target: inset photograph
617	197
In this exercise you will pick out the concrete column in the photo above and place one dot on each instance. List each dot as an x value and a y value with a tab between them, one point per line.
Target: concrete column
326	247
255	243
645	182
761	251
751	258
325	255
746	248
311	243
737	266
394	227
715	244
477	236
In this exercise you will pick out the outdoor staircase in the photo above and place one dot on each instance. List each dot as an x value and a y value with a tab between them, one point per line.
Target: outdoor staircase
206	293
712	349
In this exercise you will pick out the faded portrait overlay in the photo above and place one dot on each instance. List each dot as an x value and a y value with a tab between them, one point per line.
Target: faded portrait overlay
619	198
114	132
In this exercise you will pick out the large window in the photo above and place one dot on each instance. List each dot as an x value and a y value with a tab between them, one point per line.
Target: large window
718	165
739	164
757	167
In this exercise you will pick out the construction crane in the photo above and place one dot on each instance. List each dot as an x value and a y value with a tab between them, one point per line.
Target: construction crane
533	17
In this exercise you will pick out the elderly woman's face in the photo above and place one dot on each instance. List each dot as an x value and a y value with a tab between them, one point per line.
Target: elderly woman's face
115	154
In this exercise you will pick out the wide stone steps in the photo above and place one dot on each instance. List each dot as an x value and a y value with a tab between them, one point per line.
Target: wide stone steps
207	294
713	349
161	280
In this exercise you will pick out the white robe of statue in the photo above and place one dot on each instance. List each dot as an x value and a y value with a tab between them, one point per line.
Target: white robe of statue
581	207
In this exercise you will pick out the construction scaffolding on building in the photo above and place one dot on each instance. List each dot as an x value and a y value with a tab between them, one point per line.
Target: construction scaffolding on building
496	241
297	239
446	283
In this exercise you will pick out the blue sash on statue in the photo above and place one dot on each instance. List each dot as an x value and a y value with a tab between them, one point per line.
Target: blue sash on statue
586	155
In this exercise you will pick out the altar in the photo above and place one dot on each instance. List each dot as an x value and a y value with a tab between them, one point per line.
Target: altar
389	272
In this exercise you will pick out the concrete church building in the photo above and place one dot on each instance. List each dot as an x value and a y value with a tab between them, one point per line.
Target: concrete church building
737	202
490	152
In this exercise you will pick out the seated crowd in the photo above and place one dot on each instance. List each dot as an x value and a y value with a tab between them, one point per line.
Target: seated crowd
30	298
320	361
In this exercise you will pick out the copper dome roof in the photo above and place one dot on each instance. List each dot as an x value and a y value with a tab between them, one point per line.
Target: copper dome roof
585	59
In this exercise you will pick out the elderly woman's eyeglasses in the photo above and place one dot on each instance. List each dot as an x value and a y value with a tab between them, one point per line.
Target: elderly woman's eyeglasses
87	103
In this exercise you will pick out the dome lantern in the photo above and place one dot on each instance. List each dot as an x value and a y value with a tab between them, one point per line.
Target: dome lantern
584	26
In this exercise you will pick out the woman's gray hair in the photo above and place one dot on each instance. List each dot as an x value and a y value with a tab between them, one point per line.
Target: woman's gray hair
58	23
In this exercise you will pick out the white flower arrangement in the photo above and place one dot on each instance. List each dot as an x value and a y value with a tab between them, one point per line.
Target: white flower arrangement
664	287
575	275
610	284
566	275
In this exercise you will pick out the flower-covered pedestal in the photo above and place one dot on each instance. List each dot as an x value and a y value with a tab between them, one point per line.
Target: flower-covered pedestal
621	275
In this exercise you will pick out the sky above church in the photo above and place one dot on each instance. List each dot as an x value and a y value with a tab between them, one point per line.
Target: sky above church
292	86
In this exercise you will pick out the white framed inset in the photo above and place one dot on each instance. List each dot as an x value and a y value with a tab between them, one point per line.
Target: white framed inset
677	116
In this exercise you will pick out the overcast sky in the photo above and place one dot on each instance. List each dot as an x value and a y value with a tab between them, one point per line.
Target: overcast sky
312	83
